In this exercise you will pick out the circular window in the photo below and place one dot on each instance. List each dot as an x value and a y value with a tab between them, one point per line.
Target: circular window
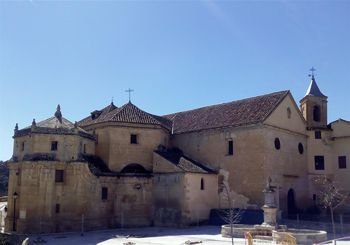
277	144
301	148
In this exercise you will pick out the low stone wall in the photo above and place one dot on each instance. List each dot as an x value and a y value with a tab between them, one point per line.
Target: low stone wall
301	236
340	228
237	230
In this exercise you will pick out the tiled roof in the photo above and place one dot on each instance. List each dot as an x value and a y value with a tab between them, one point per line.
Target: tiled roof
53	125
128	113
97	115
236	113
314	89
186	164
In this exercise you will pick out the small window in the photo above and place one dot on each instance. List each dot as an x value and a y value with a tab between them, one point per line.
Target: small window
84	148
319	162
300	148
314	197
104	193
202	184
19	178
54	145
22	146
57	208
277	144
342	161
59	176
230	147
133	139
289	113
318	135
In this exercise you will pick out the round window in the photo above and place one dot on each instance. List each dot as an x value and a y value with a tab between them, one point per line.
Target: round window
301	148
277	144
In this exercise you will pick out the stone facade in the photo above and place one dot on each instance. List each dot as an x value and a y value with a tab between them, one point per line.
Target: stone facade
122	167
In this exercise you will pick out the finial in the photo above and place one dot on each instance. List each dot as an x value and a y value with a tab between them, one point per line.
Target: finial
16	127
269	187
129	91
112	102
33	123
268	183
58	113
75	124
312	75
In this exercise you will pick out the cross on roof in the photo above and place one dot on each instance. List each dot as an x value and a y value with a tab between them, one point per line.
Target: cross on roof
129	91
312	71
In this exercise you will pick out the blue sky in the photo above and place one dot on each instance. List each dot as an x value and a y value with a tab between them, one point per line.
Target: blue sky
176	55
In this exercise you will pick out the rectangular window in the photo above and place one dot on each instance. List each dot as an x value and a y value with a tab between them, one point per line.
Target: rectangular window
84	148
57	208
59	176
342	161
319	162
230	147
22	146
104	194
318	135
133	139
18	174
54	145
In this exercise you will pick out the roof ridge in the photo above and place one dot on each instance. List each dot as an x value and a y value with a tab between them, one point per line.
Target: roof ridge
226	103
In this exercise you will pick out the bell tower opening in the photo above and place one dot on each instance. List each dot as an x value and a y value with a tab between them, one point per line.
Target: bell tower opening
316	113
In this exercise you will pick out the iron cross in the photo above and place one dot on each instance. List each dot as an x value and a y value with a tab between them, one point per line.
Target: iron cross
312	71
129	91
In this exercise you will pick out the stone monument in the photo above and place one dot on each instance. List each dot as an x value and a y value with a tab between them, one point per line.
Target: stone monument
270	209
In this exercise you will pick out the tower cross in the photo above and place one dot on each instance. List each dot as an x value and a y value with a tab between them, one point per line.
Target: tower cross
312	71
129	91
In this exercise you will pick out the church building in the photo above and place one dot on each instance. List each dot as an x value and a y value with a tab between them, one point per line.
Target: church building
124	167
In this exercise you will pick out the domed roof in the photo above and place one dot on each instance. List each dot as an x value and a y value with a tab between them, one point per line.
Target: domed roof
53	125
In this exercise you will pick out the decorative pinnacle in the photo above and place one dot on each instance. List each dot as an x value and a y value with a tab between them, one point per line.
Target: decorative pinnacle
16	127
33	123
58	113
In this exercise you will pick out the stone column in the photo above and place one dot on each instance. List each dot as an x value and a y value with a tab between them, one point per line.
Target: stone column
270	209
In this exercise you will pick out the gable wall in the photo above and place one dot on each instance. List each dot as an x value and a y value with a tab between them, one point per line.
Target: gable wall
279	117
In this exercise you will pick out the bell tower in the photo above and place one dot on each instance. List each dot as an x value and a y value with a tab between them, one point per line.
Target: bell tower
314	105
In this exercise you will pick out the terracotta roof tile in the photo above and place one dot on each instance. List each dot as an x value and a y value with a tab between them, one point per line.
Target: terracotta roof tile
128	113
236	113
97	114
186	164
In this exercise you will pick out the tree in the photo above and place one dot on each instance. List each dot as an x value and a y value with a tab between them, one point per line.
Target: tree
4	175
229	215
330	196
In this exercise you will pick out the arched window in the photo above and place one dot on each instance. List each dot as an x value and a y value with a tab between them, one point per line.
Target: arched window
134	168
317	113
277	144
202	184
289	112
300	148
